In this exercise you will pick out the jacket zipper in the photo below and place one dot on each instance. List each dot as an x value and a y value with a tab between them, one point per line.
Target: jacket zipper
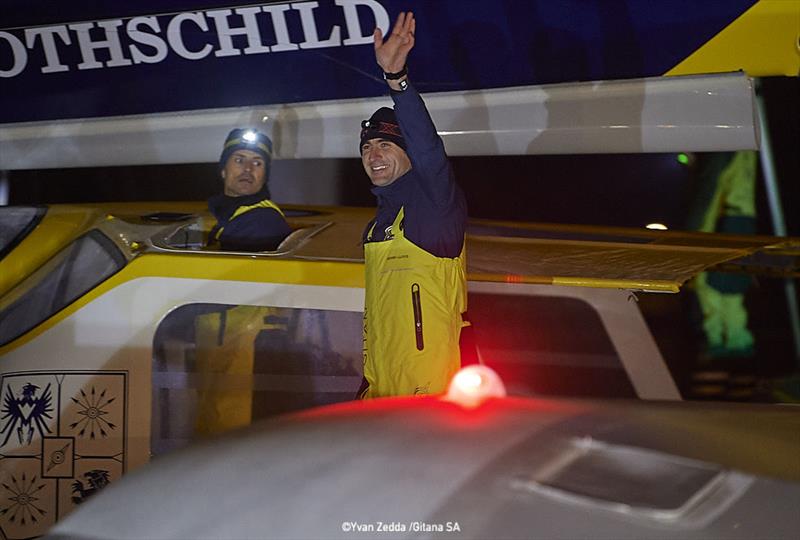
415	301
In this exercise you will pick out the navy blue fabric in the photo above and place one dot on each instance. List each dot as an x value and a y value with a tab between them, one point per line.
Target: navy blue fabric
381	125
435	209
259	229
466	45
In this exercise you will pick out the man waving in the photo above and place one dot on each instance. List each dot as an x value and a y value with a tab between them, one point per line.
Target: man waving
414	248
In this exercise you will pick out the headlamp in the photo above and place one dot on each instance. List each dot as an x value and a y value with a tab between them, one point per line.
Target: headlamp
382	127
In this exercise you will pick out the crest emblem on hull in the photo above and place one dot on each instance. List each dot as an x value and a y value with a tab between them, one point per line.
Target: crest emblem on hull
25	412
63	437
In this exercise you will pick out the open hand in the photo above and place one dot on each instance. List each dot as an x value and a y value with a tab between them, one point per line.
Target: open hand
392	53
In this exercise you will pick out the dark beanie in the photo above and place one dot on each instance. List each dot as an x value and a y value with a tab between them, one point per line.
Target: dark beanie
247	139
382	125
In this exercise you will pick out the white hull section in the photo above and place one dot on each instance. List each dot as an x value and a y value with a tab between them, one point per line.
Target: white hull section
661	114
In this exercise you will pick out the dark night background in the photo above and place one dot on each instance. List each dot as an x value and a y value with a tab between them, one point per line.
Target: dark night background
629	190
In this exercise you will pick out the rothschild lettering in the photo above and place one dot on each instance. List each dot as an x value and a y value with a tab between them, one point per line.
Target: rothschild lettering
191	36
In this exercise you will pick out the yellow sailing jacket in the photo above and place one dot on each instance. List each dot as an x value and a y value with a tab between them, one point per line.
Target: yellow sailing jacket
412	317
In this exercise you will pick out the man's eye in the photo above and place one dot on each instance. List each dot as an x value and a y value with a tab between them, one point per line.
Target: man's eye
257	164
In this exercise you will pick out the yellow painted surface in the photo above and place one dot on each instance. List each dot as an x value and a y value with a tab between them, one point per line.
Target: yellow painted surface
239	268
763	41
59	227
640	285
588	257
222	267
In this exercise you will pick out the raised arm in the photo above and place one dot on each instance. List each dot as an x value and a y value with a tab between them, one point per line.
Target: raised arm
425	147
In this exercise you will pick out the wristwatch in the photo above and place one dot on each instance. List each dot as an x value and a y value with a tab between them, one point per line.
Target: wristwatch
394	76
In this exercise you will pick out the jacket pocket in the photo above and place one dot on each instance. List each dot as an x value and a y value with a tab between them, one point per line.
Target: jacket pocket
417	305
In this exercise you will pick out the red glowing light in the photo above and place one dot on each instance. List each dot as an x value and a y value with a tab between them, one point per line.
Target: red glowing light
472	385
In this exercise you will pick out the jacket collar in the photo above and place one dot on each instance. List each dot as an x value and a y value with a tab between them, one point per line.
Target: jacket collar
223	206
394	193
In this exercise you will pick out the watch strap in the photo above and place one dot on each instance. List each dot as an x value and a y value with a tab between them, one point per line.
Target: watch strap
394	76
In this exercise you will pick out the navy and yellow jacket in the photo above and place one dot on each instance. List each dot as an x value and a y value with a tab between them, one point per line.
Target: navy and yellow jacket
414	275
434	205
248	223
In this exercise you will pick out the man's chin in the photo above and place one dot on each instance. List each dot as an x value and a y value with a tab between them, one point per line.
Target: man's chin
381	180
247	188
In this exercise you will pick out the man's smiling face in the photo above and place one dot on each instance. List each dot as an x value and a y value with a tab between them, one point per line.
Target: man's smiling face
244	173
384	161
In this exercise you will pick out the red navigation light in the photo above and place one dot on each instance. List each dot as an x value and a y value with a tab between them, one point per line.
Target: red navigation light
472	385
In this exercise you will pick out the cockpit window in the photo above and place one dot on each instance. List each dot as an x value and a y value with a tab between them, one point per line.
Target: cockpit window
189	237
76	269
193	237
217	367
15	224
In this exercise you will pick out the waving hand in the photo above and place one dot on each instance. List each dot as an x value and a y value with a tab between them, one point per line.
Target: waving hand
391	53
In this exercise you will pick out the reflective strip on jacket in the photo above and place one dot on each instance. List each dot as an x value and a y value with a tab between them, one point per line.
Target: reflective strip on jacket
412	317
216	233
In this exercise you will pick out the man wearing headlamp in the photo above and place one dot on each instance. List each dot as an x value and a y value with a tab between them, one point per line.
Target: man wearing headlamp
414	248
247	220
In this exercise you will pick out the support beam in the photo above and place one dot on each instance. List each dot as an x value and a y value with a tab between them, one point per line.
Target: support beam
776	214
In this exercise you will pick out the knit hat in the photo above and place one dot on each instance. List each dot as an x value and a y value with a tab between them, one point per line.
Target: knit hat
247	139
382	125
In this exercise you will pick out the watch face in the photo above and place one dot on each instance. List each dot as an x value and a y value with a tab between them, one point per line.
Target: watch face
403	84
